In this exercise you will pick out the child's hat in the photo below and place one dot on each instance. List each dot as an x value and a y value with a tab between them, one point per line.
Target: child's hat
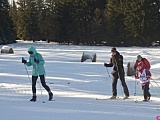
139	57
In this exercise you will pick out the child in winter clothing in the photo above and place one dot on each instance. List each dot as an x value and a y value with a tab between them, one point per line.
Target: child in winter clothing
36	60
144	76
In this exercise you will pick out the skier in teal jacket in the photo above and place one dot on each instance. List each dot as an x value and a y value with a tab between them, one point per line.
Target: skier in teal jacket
36	60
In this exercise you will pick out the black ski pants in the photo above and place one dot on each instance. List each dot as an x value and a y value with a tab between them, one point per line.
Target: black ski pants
34	80
123	83
146	92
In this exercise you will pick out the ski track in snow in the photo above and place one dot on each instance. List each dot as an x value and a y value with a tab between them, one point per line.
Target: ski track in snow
75	85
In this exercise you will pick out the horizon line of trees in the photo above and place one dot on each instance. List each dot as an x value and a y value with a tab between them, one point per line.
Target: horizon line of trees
89	22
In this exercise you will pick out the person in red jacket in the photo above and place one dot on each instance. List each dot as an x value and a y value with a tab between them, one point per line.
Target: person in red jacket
145	62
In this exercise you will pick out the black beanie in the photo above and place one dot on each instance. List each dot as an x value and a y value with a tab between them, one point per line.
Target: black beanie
113	49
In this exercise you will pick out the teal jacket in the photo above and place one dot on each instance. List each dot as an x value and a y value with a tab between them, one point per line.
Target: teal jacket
38	68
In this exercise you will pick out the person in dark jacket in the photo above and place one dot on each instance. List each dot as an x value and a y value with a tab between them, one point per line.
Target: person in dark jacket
116	61
36	60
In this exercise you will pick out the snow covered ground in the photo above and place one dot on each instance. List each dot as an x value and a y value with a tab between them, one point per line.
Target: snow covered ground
75	85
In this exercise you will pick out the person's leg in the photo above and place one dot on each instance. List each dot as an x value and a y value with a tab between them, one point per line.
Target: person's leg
34	80
114	84
42	78
124	85
147	95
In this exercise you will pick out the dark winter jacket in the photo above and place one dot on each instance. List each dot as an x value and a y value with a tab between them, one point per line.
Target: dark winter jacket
116	62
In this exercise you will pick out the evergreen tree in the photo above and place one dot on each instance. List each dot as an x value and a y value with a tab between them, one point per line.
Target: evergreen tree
31	15
64	18
7	32
27	26
13	14
21	27
98	29
50	25
151	21
134	22
115	26
42	19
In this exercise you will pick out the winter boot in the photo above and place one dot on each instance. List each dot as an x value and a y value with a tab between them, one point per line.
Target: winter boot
148	98
50	96
113	97
126	97
33	98
145	100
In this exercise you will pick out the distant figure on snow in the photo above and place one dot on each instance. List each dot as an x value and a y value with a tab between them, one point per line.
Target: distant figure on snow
116	61
36	60
144	76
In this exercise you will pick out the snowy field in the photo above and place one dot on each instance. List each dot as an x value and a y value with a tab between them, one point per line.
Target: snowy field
75	85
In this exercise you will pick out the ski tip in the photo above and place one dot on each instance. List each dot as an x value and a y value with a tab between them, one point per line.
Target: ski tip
136	101
51	100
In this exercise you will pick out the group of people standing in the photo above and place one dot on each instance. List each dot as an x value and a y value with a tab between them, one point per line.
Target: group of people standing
142	67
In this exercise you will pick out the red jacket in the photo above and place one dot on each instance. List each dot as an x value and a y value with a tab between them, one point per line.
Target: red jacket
145	62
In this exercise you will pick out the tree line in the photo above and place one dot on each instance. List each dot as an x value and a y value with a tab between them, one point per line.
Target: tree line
87	22
7	31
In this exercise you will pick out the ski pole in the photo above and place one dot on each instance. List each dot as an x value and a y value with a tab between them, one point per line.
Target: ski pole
139	89
135	88
27	72
155	82
135	93
155	90
39	84
139	92
108	74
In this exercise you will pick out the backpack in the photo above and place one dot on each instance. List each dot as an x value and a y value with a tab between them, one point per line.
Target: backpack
146	63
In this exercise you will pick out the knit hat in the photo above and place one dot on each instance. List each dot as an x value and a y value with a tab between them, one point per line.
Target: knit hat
113	49
139	57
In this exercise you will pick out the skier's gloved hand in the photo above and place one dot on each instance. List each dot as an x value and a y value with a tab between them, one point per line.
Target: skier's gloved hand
36	61
105	64
136	77
148	78
24	61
